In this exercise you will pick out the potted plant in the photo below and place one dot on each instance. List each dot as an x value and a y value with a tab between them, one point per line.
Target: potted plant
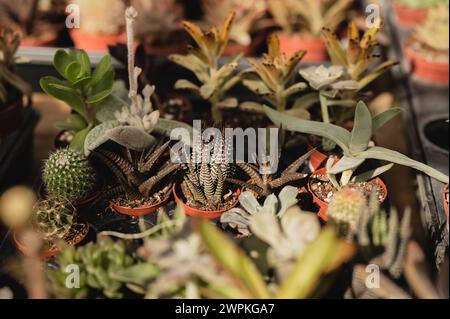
302	22
411	13
445	198
427	48
355	146
144	180
248	22
82	89
158	26
53	220
37	21
203	61
101	24
12	87
205	190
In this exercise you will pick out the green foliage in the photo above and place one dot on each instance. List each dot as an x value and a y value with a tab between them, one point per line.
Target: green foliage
9	44
69	175
53	218
203	61
355	145
82	89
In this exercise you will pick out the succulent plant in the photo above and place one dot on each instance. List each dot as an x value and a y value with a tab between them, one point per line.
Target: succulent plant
53	218
206	172
138	176
69	175
273	78
264	182
434	33
110	13
247	15
355	145
203	61
157	19
345	208
309	16
421	3
83	90
129	123
104	266
9	43
240	218
358	58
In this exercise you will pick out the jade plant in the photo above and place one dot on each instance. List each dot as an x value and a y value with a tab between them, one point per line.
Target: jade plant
203	61
9	44
139	175
130	122
241	218
83	90
355	145
248	14
309	16
273	80
69	175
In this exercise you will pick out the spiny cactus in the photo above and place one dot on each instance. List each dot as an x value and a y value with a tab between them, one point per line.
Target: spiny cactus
205	174
345	208
69	175
53	218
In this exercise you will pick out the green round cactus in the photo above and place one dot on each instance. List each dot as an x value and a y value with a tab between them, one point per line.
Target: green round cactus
69	175
345	208
53	218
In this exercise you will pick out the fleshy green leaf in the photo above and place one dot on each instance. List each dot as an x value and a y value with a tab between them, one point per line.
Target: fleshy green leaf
78	140
367	176
379	120
344	164
362	130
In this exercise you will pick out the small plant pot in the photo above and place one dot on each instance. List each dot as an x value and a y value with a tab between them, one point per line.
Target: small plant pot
195	212
323	206
47	39
315	47
11	117
48	253
426	67
409	17
95	42
141	211
317	158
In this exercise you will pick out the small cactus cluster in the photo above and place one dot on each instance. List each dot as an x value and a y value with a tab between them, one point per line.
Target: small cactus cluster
53	218
346	207
69	175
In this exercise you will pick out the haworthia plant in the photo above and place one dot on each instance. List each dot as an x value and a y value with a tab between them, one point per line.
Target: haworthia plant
355	145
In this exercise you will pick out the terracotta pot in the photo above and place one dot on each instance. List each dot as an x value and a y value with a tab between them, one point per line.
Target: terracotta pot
317	158
194	212
315	47
409	17
45	254
426	68
323	206
46	40
446	204
141	211
11	117
95	42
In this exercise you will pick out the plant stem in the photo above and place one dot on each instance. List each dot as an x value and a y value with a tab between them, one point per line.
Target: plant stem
327	144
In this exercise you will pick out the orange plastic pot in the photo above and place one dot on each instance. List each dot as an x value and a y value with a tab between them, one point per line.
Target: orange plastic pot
317	159
315	47
194	212
45	254
427	69
323	206
409	17
141	211
95	42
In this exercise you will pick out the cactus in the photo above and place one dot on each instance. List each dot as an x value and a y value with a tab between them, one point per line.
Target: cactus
110	14
53	218
69	175
9	44
345	208
434	33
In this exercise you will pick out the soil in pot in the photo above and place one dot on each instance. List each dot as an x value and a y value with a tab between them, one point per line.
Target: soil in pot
409	17
315	47
427	65
323	190
193	209
142	206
